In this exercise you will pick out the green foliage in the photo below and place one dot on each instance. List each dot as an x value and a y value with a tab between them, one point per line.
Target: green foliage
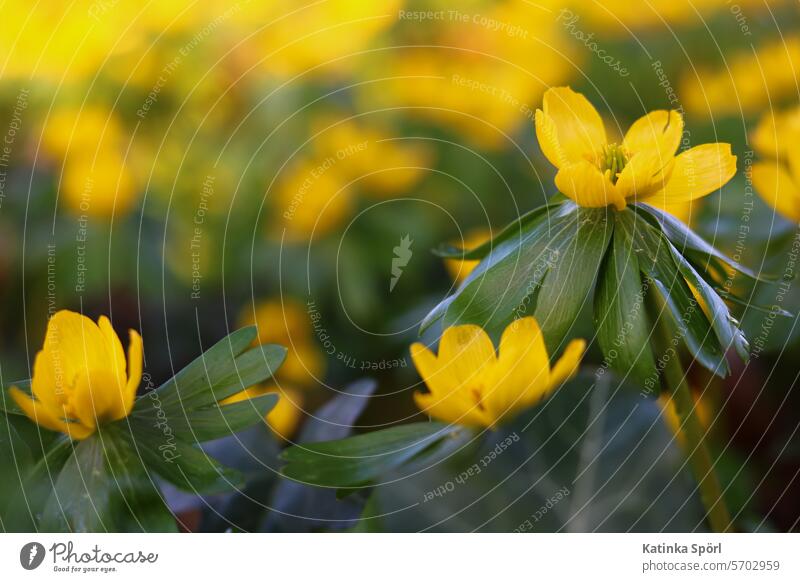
551	261
106	482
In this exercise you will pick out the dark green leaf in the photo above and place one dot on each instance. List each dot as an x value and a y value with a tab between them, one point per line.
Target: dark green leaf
623	330
685	239
511	236
500	287
568	284
656	262
359	460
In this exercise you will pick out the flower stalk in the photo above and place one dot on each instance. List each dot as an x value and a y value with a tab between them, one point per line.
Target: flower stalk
699	456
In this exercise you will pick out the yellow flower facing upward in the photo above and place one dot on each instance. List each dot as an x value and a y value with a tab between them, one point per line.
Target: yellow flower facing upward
472	385
80	377
777	175
642	168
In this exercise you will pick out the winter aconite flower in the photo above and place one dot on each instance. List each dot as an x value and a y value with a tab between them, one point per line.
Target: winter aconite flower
80	377
777	175
472	385
642	168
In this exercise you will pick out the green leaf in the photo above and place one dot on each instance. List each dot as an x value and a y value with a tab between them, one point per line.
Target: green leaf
23	510
181	463
222	371
360	460
656	262
685	239
103	487
195	378
568	284
725	326
511	236
500	287
215	422
623	329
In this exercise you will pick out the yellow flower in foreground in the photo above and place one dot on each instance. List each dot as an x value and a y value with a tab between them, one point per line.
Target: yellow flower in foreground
285	416
80	378
472	385
643	168
777	176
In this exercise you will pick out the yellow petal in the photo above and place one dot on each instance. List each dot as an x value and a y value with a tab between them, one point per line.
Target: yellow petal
567	364
73	345
583	183
547	136
97	397
778	188
578	127
698	172
135	356
451	409
116	355
465	352
521	376
49	419
658	131
646	172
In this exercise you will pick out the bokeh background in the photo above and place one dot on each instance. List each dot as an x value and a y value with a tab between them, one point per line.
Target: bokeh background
189	167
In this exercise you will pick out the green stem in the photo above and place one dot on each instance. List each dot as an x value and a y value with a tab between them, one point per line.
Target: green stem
694	434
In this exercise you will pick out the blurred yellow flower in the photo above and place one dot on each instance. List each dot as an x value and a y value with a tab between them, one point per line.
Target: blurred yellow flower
80	377
312	199
460	269
643	168
90	143
747	83
470	384
287	413
378	162
478	72
285	321
318	38
776	176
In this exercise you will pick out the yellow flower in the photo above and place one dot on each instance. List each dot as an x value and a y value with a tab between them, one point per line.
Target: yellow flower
313	199
285	416
370	156
472	385
460	269
80	378
777	176
96	179
286	322
643	168
749	82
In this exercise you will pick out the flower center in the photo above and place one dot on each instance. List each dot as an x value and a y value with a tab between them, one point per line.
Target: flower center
613	158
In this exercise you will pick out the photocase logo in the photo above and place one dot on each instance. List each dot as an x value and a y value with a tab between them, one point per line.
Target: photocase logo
402	254
31	555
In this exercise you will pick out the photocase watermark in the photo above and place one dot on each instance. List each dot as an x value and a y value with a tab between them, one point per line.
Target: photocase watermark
169	450
537	515
31	555
741	19
475	469
402	256
569	20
